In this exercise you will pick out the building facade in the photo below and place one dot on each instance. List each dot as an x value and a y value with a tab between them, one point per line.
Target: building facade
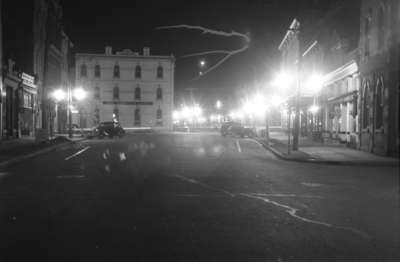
380	72
136	90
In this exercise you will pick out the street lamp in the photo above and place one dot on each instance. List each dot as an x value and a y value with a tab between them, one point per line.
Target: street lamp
60	95
218	104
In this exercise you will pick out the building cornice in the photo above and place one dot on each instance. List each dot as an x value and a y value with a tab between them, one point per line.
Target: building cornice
172	58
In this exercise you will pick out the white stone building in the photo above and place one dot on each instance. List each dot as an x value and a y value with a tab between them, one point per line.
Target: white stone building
137	90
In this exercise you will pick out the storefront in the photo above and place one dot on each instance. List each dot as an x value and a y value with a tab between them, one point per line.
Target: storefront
19	97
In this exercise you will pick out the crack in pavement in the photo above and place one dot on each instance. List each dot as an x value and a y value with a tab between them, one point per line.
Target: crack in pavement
290	210
293	212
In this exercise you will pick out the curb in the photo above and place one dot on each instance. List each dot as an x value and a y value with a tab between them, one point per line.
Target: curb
18	159
325	161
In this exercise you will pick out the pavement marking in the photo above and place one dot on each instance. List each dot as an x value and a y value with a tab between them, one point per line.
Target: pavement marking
239	149
77	153
193	181
293	212
258	143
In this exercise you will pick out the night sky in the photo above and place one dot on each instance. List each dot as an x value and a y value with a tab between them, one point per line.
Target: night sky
131	24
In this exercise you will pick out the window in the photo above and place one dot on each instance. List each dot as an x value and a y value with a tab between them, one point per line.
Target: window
365	107
83	70
159	93
27	100
138	72
138	93
116	71
97	93
115	114
379	104
159	117
160	72
97	71
116	92
381	28
96	115
137	117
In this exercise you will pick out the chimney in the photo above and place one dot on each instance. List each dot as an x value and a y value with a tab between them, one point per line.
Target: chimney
146	51
108	50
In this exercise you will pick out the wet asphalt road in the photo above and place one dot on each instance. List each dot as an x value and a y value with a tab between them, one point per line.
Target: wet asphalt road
194	197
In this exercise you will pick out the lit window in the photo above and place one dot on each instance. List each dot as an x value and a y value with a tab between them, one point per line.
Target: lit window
116	114
116	92
97	71
160	72
138	72
159	93
83	70
116	71
138	93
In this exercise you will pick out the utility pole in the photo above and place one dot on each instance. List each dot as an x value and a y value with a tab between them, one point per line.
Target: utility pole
296	124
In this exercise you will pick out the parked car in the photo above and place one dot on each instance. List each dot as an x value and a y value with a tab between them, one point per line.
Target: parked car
109	129
236	129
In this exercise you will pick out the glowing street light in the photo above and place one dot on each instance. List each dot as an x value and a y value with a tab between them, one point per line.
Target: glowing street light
283	80
314	83
59	95
202	63
79	93
313	109
218	105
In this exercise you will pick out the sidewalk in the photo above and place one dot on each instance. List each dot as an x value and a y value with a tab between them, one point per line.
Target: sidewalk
15	150
316	152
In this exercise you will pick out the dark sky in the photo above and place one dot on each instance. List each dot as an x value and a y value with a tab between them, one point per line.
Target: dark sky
131	24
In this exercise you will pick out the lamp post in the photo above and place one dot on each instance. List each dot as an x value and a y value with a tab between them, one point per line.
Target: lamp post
59	95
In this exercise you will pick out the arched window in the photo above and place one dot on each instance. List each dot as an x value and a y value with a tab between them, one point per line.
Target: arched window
116	71
97	72
379	104
138	72
365	107
137	117
159	93
83	70
381	27
97	93
138	93
116	92
160	72
159	117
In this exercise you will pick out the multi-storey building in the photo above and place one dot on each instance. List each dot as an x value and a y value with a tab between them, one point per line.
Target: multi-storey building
136	90
380	72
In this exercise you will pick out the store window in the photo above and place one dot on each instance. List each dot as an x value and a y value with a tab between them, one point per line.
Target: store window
159	117
365	107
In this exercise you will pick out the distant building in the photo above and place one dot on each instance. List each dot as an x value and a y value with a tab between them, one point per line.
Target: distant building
380	72
137	90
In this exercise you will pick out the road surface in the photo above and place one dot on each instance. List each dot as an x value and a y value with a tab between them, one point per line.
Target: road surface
194	197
